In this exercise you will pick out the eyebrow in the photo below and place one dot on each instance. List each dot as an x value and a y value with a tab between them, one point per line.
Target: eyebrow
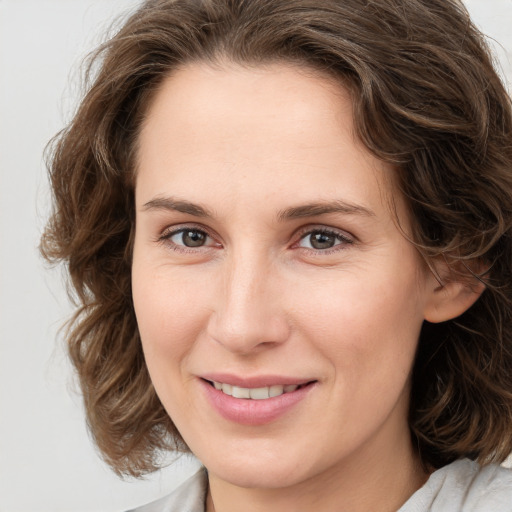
293	212
323	208
178	205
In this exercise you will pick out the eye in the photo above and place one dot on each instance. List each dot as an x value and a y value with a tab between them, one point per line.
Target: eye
189	237
323	240
184	238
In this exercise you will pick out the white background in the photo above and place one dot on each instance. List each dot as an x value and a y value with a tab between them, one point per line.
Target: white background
47	462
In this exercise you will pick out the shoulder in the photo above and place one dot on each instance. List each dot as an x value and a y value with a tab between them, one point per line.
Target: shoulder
188	497
464	486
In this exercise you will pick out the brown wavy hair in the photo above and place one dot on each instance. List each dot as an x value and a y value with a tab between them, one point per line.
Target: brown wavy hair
426	99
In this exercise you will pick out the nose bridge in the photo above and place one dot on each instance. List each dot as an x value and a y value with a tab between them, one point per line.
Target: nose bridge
248	312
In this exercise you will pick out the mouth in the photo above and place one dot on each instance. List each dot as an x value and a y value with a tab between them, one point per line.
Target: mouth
255	401
256	393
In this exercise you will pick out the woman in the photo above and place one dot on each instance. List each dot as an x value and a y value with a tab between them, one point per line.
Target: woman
288	224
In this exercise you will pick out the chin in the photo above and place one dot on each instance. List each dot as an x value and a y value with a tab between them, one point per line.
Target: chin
261	467
257	476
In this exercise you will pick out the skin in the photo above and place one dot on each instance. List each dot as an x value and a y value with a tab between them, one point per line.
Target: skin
248	145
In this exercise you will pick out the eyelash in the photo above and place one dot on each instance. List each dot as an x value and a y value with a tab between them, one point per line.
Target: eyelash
342	238
168	234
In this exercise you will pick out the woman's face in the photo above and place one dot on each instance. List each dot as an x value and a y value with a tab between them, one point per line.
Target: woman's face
266	257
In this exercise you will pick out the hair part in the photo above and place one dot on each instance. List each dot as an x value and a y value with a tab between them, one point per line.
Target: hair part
426	100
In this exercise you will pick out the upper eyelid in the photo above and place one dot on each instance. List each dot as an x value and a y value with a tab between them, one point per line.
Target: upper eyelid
307	230
173	230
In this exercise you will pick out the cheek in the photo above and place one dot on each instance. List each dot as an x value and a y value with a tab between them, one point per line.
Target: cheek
169	319
170	316
365	324
369	338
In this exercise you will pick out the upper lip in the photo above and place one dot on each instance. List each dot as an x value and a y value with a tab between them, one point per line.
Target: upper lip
255	381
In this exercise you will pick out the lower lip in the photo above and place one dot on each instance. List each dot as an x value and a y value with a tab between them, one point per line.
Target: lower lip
253	412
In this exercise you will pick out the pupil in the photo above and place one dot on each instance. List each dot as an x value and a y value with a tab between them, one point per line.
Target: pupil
322	240
193	238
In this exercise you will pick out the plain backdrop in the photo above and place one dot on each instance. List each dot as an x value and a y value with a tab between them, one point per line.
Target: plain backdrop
47	461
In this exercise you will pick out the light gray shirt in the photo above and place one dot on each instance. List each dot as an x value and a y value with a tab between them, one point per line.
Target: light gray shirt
462	486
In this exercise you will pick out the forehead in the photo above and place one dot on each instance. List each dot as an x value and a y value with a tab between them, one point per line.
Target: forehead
262	106
238	133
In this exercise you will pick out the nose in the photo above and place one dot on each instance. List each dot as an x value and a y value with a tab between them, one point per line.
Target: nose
249	313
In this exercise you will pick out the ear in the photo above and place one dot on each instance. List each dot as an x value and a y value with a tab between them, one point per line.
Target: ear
452	293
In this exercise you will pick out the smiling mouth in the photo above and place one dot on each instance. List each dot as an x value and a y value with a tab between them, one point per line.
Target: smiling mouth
261	393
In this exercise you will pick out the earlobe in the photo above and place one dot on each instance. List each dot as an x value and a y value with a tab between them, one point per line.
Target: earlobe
451	299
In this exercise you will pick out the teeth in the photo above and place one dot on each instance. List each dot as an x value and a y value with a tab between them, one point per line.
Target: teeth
275	391
254	393
240	392
259	393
